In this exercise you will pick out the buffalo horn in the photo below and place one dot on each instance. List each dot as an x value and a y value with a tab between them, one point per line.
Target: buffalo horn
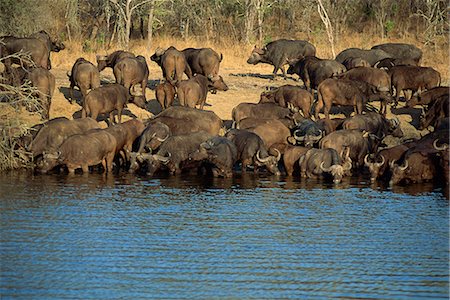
261	159
101	57
441	148
163	159
162	140
69	74
347	165
382	161
278	154
366	160
405	166
298	138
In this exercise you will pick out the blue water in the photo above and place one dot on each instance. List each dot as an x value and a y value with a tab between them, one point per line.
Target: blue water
96	237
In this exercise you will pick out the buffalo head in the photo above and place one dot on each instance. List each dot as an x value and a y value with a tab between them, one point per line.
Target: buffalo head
102	62
216	83
270	162
256	56
337	171
374	166
398	172
49	161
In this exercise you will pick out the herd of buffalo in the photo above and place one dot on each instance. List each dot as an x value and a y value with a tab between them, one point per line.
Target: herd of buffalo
283	133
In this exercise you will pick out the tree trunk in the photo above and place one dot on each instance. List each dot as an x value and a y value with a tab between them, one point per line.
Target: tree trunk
250	12
150	25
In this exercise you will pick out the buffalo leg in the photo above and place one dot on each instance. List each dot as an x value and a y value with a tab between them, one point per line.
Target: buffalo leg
85	169
71	93
109	162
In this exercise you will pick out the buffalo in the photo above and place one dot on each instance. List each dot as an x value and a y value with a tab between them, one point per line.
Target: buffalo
290	96
371	56
105	100
183	120
83	150
318	162
278	53
401	51
84	75
204	61
44	82
252	151
428	97
112	59
165	94
192	92
132	72
173	64
220	152
339	92
413	78
313	70
374	123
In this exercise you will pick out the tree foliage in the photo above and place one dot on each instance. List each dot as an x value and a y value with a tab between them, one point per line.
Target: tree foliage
250	21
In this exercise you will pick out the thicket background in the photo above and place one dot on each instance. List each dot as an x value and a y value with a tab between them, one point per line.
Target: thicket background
98	24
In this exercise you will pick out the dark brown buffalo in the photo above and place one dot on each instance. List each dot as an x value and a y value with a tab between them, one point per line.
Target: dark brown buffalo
402	51
338	92
35	47
132	72
204	61
355	62
173	64
183	120
290	96
417	165
438	110
278	53
153	136
359	144
306	132
85	76
83	150
272	132
112	59
413	78
376	77
53	133
313	70
252	151
220	152
125	134
193	92
371	56
165	94
173	154
44	82
374	123
291	155
105	100
319	162
428	97
260	110
379	163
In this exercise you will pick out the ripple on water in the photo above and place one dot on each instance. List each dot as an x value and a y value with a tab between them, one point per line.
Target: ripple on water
95	237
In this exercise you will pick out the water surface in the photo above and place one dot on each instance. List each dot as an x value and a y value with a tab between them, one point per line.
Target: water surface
97	237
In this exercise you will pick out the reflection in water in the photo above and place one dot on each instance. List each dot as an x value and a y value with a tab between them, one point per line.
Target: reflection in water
124	236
